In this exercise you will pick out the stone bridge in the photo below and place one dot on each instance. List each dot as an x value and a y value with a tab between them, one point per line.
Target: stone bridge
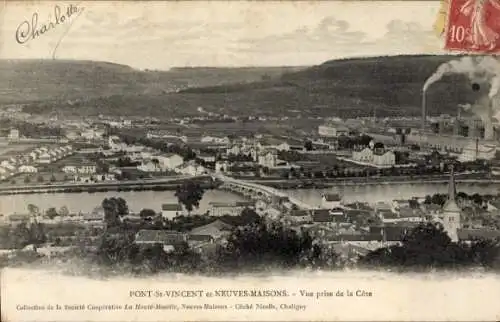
258	191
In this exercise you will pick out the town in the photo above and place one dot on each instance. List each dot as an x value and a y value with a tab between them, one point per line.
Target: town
258	166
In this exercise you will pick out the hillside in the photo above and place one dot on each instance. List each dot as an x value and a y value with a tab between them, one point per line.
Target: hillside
62	80
350	87
389	85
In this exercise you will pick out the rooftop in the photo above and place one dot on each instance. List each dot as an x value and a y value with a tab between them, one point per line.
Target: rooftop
171	207
322	215
468	234
299	213
330	197
159	236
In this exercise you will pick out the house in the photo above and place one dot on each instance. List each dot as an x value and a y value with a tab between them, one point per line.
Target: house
206	157
471	234
4	171
387	216
212	139
299	216
382	206
375	157
169	161
96	216
400	203
234	149
19	218
8	164
384	159
13	134
27	169
408	214
91	134
229	208
321	216
215	230
168	239
170	210
149	166
270	143
71	135
192	169
331	200
268	159
475	151
221	166
332	130
44	158
80	168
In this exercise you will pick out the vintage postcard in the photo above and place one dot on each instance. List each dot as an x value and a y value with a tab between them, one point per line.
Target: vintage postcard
250	160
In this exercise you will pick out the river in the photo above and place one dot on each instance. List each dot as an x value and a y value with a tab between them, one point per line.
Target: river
138	200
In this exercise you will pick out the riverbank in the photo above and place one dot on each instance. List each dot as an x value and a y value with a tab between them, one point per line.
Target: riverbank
167	184
289	184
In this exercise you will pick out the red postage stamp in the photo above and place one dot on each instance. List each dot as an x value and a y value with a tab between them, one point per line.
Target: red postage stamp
473	26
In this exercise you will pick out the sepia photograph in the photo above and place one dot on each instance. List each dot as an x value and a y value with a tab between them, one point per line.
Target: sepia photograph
250	160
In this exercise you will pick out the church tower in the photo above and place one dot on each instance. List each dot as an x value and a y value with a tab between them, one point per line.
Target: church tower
451	211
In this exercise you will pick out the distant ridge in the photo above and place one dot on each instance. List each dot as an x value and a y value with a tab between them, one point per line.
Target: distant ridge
31	80
351	87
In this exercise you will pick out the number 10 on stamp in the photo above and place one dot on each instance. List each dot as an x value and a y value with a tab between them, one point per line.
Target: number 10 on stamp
473	26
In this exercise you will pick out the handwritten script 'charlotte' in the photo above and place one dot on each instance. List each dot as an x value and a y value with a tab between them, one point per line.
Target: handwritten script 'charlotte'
27	30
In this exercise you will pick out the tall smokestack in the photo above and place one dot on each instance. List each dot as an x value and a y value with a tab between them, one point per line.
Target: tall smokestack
424	111
477	148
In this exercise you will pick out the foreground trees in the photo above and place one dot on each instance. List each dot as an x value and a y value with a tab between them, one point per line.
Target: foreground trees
261	245
428	246
189	195
114	208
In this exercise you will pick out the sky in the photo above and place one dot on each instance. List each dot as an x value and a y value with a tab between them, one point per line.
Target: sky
161	35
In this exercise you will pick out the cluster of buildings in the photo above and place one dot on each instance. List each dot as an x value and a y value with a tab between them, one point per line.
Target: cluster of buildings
30	160
467	148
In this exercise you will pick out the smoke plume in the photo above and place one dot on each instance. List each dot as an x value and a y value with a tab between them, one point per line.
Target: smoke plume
481	70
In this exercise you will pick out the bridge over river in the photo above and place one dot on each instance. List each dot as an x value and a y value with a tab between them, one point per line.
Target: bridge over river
256	190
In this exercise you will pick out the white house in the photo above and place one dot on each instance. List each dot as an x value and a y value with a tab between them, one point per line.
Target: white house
376	158
83	168
365	155
171	210
475	151
221	166
27	169
169	161
268	159
149	166
14	134
331	200
192	169
91	134
235	149
44	158
385	159
206	157
9	165
331	130
212	139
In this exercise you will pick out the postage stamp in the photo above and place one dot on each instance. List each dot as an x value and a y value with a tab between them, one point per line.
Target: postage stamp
473	26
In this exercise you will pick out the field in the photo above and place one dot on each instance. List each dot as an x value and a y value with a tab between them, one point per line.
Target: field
15	149
40	178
